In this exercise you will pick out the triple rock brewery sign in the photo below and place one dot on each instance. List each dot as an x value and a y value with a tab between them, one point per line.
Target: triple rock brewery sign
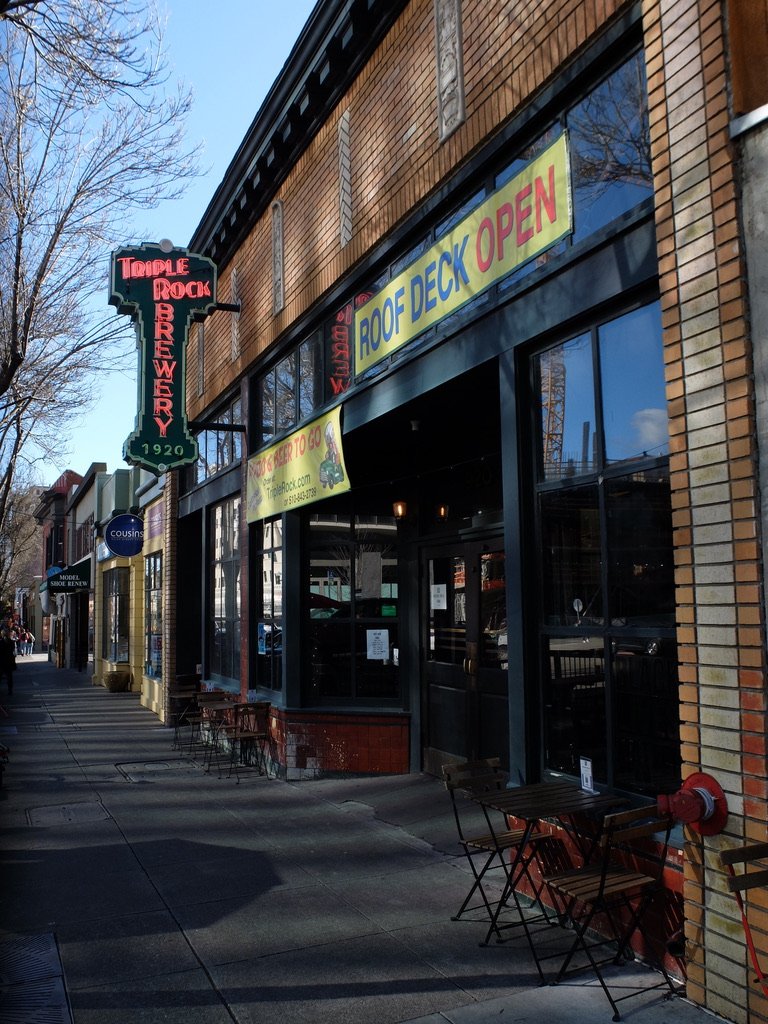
163	289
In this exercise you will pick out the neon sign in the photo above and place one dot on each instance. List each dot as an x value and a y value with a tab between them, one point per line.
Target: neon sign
163	289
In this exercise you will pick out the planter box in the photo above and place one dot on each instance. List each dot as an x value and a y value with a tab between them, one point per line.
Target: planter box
117	682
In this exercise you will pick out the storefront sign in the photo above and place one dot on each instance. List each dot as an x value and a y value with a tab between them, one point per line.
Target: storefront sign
71	579
523	218
124	535
338	352
163	289
304	467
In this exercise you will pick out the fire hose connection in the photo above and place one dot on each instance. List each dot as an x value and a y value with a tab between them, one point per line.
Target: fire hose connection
700	802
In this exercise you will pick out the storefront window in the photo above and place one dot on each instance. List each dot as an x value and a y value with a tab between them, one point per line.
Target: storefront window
116	615
353	609
610	148
286	389
220	446
269	639
606	609
634	418
225	595
153	615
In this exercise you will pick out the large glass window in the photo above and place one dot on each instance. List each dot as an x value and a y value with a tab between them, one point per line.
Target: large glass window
220	446
224	595
353	609
269	640
606	604
610	148
153	615
116	615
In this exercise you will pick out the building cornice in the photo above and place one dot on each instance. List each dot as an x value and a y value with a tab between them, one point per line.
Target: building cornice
335	43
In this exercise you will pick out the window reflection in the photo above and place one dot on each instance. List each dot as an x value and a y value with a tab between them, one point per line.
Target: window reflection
635	419
224	654
285	393
493	611
269	630
640	569
610	149
607	577
310	376
447	626
566	384
574	704
267	406
645	714
353	608
571	584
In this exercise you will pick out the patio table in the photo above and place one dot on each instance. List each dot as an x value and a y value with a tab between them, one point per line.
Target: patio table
560	802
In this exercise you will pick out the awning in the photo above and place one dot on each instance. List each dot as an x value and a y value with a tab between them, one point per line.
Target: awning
70	580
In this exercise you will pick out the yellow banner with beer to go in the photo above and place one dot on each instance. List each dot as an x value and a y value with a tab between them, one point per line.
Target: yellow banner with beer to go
304	467
526	216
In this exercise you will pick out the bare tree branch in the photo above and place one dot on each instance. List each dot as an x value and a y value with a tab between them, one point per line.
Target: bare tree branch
89	137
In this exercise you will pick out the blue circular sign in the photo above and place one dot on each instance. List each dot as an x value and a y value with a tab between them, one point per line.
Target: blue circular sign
124	535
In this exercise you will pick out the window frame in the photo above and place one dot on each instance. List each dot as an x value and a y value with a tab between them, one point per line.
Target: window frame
116	619
153	593
598	627
224	563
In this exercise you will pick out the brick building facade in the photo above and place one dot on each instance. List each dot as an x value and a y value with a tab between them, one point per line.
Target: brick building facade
628	575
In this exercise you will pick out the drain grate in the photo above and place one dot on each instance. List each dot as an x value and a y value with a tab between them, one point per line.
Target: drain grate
32	987
27	958
43	1002
66	814
148	771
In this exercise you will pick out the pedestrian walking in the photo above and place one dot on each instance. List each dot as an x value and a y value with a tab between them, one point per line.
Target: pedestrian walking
7	659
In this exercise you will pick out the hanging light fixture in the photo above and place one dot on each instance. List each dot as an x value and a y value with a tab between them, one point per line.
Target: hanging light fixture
441	512
400	509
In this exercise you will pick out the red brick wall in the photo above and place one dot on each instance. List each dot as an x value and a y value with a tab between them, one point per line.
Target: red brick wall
510	51
307	744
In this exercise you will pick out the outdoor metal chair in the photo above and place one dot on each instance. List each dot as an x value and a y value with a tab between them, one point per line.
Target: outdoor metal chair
613	888
494	848
198	721
182	703
247	736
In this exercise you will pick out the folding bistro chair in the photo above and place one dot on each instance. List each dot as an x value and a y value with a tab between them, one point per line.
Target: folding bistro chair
248	737
182	702
198	720
492	849
619	893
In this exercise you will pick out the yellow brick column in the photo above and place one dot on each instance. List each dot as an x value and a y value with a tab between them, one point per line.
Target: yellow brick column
713	472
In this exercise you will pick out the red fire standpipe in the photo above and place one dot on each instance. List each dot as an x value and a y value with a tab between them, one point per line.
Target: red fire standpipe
700	802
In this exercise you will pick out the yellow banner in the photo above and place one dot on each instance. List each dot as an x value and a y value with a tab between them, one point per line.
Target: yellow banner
523	218
304	467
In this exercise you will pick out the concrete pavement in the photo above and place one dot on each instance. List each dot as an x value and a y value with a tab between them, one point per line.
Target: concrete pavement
138	888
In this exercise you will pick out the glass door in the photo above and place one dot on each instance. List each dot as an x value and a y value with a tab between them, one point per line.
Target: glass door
464	697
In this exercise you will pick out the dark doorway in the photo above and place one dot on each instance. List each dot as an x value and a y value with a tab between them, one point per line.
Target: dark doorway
464	659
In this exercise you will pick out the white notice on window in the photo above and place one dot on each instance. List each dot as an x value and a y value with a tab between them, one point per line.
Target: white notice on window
438	597
378	644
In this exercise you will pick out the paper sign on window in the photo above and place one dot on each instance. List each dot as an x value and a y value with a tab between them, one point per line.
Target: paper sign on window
377	644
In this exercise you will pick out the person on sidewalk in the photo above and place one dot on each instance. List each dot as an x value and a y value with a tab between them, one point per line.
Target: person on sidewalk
7	659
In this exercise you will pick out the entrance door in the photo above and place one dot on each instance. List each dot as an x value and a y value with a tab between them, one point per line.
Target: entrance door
464	655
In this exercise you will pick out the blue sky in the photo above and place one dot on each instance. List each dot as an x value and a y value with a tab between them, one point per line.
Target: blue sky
230	54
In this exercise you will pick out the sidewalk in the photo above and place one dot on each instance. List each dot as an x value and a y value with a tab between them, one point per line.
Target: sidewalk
136	888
